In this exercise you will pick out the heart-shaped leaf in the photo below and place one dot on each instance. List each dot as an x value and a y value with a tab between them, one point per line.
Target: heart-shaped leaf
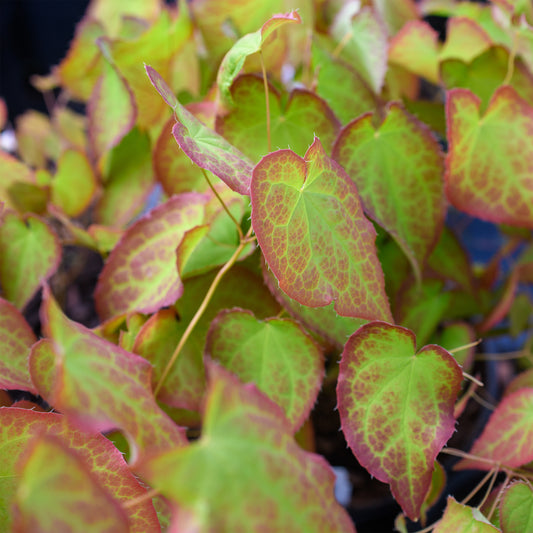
291	125
30	253
99	456
276	354
507	438
140	273
205	147
403	195
275	485
396	407
486	176
16	340
309	223
98	384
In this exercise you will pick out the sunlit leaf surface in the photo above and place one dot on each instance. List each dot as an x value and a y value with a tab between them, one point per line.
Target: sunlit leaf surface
396	407
516	508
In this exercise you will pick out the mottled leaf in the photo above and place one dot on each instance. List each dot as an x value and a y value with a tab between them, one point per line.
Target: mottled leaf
366	44
291	125
128	180
275	485
456	335
111	111
396	407
173	169
437	487
30	253
488	167
99	385
205	147
461	518
16	340
276	354
486	73
402	194
309	223
507	438
55	492
516	508
140	273
104	462
331	328
248	44
185	384
74	183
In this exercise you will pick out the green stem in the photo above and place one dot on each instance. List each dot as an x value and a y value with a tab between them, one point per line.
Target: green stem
215	192
267	100
200	311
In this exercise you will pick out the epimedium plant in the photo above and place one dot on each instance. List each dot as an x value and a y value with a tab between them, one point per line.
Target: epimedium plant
307	160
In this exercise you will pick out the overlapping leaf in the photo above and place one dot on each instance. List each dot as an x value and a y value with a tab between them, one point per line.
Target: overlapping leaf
16	340
309	223
290	126
185	384
403	194
29	254
205	147
516	508
489	163
396	407
461	518
508	435
248	44
366	42
98	384
128	180
51	479
140	273
111	110
276	354
13	172
100	458
274	484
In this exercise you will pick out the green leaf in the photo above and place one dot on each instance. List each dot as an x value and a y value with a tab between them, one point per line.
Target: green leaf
463	519
339	84
111	111
74	183
332	329
486	176
274	484
185	383
248	44
456	335
16	340
173	169
291	125
13	172
202	145
56	493
507	438
366	45
276	354
397	167
30	253
484	74
99	385
396	407
309	223
128	179
140	273
100	459
516	508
